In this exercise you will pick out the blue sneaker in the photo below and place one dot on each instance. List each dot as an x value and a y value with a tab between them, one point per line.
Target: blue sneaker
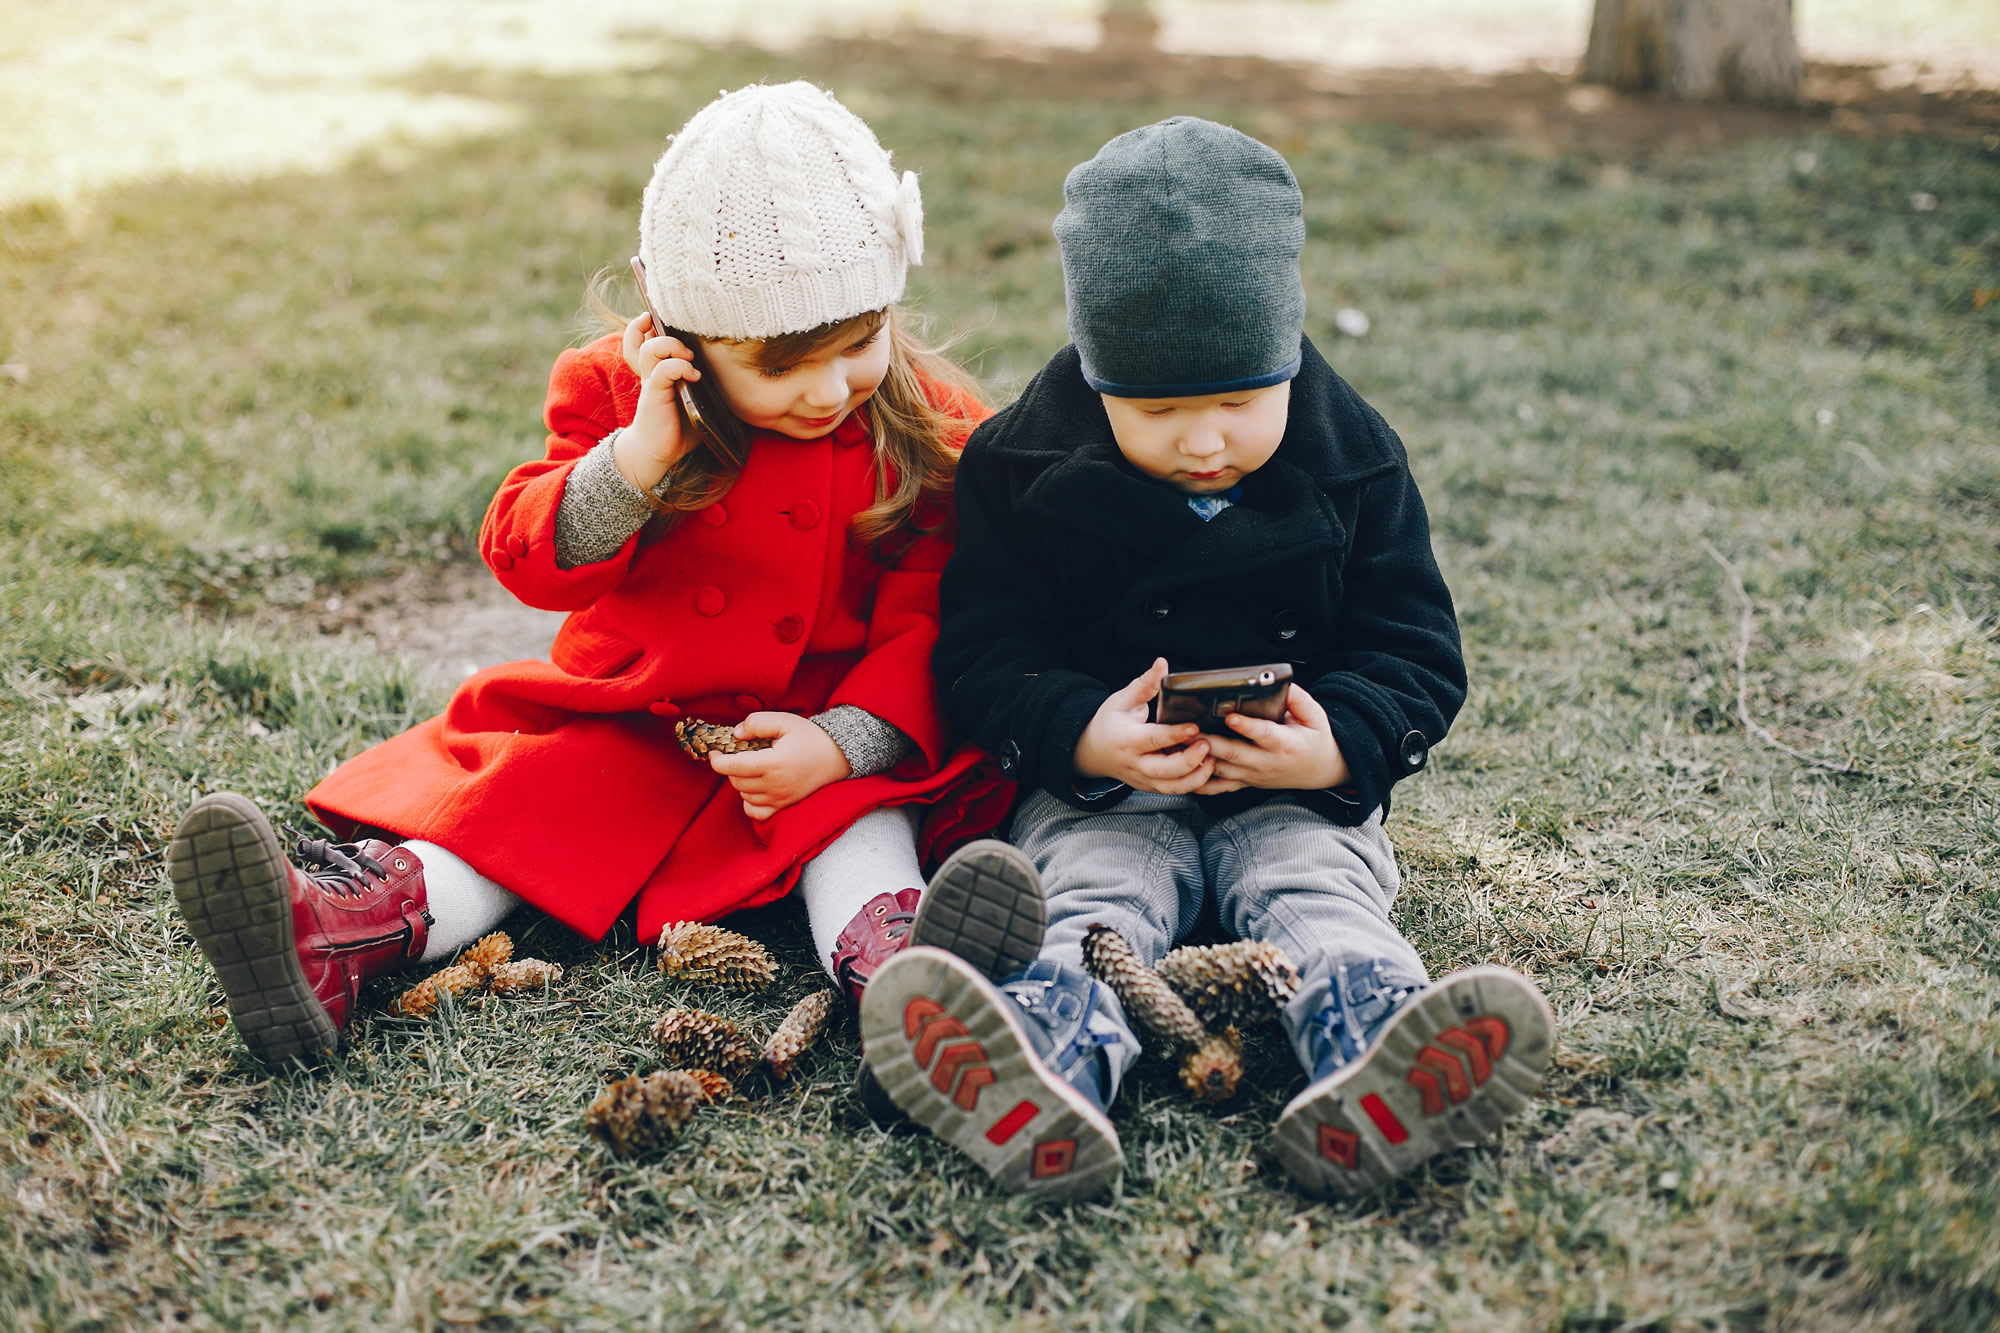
1400	1075
1015	1076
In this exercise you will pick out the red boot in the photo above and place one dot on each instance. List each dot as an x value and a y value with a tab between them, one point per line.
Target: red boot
293	947
877	933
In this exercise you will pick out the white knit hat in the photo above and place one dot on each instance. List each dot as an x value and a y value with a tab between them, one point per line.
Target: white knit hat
775	211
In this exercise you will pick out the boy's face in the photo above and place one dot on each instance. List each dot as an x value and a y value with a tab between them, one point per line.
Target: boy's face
1201	445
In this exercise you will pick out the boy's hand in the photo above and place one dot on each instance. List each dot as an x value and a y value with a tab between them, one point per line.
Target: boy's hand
1298	754
1120	743
658	435
800	761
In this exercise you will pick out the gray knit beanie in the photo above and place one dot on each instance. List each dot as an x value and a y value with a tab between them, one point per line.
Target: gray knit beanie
1180	252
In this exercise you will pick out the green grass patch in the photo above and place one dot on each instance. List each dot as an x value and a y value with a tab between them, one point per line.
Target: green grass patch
1775	1101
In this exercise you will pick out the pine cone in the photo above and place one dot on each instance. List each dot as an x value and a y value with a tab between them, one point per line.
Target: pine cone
1241	984
636	1113
694	1039
1211	1071
420	999
698	739
525	976
714	1087
487	953
801	1028
696	952
1149	1000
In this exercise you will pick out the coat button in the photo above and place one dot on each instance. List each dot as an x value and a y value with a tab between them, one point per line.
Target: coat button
1285	626
501	560
715	516
749	703
1010	758
789	629
1416	751
664	709
710	601
805	514
517	545
1159	608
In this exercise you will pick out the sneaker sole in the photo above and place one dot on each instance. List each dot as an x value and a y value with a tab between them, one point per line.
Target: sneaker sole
949	1051
1447	1071
232	885
985	904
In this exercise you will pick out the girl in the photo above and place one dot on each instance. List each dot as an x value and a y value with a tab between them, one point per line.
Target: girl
774	566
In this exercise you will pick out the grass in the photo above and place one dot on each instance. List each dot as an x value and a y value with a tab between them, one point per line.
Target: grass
1776	1102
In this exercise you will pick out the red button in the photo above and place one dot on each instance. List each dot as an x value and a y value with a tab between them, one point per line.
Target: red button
501	560
805	514
518	546
715	516
789	629
664	709
749	703
710	601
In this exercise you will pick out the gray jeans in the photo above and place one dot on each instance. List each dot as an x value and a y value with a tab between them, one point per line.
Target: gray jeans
1152	866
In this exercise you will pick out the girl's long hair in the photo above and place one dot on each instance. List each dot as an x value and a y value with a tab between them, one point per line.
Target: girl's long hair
917	436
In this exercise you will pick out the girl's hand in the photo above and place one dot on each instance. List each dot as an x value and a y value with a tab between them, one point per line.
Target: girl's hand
1298	754
1120	743
801	760
659	435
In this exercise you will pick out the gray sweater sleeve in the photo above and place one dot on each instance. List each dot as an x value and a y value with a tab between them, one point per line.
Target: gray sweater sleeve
871	745
599	509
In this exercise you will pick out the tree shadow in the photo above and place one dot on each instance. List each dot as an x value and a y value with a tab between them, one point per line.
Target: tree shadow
1537	109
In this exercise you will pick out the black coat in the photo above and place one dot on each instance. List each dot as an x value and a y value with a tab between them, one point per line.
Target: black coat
1074	570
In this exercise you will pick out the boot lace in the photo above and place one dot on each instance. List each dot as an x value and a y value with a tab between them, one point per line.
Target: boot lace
896	925
341	868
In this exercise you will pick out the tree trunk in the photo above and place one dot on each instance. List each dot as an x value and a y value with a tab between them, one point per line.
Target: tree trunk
1700	50
1128	27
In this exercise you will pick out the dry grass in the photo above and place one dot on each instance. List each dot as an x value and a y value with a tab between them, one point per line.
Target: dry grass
1777	1092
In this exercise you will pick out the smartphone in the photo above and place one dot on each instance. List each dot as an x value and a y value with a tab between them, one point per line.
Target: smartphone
688	403
1206	697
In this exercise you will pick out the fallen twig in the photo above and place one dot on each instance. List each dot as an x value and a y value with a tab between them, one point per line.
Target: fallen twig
1745	623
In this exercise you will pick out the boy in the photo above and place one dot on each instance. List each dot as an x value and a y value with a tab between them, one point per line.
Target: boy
1190	483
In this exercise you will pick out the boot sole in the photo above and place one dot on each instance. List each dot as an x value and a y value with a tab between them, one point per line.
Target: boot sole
985	904
232	885
949	1051
1448	1070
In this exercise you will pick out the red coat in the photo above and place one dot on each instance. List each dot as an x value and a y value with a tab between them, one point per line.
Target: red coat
562	780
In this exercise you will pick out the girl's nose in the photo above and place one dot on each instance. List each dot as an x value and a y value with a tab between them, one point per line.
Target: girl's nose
828	392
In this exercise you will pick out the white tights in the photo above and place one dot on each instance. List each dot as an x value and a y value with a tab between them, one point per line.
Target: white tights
464	904
877	854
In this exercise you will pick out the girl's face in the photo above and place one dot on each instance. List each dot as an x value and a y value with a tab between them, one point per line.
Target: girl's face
803	398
